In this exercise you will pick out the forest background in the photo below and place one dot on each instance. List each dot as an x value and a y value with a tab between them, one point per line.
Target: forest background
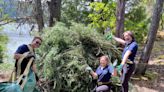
83	24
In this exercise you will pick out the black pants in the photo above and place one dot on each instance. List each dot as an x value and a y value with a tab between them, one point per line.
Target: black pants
126	74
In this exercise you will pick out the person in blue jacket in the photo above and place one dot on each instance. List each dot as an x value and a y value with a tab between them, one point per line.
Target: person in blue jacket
127	65
103	74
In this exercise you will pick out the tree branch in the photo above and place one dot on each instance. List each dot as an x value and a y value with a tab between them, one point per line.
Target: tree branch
23	19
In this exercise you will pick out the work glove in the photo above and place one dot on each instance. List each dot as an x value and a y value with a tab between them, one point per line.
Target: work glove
115	63
109	36
119	68
89	69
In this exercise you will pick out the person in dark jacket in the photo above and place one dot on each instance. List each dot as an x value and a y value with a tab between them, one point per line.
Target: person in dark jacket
127	65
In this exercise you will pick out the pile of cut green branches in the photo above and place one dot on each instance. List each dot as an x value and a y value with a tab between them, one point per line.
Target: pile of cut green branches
65	53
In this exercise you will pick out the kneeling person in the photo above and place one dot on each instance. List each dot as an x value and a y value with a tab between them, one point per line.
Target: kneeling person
103	74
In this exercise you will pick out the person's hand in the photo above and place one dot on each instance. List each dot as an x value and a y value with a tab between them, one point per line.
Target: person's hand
88	68
40	81
119	68
109	36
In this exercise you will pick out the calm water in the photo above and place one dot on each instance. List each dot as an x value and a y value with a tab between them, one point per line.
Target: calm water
17	37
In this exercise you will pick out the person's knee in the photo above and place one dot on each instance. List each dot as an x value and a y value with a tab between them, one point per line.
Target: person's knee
102	88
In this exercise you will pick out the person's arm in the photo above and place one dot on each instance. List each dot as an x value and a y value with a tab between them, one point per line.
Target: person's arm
111	70
94	74
19	52
17	56
119	40
34	68
125	58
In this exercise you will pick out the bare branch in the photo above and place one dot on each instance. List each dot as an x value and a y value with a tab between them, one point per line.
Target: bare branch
22	19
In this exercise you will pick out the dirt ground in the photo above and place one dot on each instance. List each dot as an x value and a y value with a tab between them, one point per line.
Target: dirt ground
154	85
156	64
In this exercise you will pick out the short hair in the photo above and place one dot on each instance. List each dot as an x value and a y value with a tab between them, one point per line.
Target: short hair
37	37
129	33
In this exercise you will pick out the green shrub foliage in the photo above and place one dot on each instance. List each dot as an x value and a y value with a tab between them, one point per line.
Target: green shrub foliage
3	42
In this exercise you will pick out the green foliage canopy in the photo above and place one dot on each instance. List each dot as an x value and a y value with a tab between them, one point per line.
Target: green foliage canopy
102	15
137	21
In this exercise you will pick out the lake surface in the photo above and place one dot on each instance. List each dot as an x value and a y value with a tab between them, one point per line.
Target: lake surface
17	37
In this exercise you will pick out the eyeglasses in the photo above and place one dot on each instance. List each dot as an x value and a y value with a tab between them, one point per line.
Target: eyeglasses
37	42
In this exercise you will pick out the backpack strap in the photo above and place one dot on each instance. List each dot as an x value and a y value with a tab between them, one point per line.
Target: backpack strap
23	78
13	75
30	48
19	62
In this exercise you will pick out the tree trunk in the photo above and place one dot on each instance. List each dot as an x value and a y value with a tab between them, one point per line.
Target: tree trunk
39	14
54	7
105	1
120	12
151	38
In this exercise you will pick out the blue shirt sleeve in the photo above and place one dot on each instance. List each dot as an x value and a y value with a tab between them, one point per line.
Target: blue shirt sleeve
133	47
111	69
98	70
22	49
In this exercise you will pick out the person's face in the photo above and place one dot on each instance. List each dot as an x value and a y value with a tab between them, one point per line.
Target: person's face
127	37
103	62
36	43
